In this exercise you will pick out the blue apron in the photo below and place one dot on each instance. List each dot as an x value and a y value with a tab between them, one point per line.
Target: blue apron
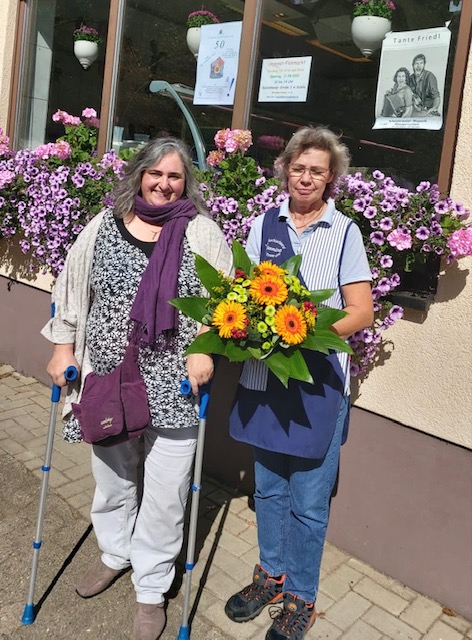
300	420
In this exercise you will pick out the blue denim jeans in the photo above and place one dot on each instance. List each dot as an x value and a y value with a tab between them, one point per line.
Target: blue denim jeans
292	499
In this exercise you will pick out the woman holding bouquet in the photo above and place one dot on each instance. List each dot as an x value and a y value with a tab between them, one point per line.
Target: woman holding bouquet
118	278
296	433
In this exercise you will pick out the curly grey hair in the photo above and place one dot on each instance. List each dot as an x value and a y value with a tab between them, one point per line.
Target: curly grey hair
320	138
147	157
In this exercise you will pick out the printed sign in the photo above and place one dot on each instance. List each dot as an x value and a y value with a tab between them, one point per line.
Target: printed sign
217	63
410	86
284	79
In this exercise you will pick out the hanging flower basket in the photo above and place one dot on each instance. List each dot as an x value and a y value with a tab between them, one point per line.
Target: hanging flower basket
195	20
371	23
368	33
86	52
86	41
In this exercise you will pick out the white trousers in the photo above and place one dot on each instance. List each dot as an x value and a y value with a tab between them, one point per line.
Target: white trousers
147	535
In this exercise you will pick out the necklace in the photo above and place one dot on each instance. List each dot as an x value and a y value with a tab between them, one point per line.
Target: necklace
149	229
304	224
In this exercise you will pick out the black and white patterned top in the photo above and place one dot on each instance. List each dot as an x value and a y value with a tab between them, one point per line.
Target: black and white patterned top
118	266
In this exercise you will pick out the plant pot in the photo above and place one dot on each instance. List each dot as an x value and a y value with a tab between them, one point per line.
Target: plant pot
193	39
368	32
86	52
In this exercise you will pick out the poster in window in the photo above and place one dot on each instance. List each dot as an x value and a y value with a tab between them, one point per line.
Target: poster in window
217	63
284	79
410	86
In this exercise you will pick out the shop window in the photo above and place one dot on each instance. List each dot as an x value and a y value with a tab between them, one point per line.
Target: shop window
342	93
53	78
154	48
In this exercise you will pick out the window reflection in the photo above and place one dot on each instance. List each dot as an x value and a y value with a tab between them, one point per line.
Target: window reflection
53	77
342	87
154	48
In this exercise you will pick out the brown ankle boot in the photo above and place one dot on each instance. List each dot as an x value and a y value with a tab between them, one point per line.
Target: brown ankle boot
97	578
149	621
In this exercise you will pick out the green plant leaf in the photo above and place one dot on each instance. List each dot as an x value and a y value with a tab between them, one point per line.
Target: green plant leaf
194	307
325	339
208	342
235	353
319	296
208	275
277	363
327	317
292	265
240	258
298	367
256	352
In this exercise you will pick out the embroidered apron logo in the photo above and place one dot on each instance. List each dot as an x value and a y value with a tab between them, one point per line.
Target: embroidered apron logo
274	247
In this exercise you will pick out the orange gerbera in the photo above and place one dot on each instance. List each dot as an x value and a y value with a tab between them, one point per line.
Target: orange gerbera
229	316
290	324
269	269
268	289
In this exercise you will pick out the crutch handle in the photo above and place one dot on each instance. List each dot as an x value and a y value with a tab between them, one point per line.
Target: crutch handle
70	374
203	392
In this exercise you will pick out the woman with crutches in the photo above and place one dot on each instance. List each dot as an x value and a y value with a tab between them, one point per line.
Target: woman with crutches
123	269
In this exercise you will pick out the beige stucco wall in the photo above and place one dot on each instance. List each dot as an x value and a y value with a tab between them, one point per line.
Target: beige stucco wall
427	381
8	10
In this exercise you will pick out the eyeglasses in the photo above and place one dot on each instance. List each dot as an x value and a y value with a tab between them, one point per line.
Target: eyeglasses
317	173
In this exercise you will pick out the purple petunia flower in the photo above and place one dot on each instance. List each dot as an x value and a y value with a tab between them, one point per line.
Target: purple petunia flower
377	237
422	233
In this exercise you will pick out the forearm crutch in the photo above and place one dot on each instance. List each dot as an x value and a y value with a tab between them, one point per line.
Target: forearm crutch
186	389
70	374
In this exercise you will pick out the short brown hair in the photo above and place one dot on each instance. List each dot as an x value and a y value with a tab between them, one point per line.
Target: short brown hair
320	138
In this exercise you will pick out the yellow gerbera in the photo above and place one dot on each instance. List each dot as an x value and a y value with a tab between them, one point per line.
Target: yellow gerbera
268	289
290	324
269	269
229	316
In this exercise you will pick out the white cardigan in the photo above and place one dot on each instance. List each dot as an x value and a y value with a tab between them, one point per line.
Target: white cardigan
71	294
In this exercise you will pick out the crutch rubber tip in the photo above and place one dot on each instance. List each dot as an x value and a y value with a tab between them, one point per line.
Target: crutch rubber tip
28	614
183	634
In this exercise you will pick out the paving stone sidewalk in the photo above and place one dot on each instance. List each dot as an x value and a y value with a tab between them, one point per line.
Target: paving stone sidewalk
355	601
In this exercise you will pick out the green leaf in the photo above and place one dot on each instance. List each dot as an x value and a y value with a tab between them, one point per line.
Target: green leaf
327	317
289	365
292	265
277	363
235	353
208	342
298	367
240	258
319	296
325	339
193	307
208	275
256	352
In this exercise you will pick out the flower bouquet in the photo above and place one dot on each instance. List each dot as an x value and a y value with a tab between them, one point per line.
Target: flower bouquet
86	33
263	312
201	17
380	8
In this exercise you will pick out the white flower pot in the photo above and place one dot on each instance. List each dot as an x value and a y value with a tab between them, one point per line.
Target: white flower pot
368	32
86	52
193	39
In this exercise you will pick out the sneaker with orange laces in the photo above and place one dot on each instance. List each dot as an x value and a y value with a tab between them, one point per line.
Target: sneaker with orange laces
249	602
293	621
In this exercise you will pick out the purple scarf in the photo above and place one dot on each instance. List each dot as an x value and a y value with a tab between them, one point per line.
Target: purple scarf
155	319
